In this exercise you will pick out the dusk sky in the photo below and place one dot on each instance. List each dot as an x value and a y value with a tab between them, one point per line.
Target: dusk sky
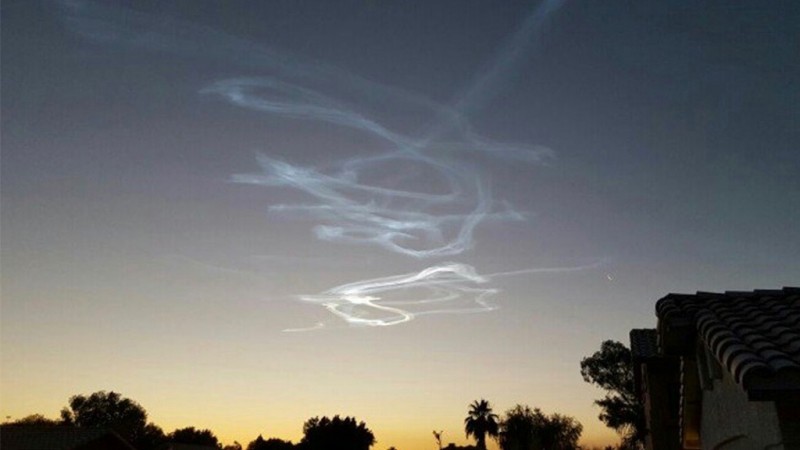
246	214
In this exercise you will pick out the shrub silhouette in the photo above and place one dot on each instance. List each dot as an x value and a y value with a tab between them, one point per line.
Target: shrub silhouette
336	434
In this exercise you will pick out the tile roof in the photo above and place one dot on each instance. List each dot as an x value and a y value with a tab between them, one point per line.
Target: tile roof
754	335
644	343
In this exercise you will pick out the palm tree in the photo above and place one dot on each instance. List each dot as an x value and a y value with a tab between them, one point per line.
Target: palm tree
481	421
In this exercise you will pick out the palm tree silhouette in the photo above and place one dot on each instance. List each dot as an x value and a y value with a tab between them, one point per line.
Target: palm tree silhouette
481	421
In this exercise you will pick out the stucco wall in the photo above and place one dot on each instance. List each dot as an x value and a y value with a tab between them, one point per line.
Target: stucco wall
731	422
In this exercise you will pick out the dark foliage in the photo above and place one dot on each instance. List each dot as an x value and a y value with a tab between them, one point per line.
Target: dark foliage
559	432
336	434
526	429
107	410
518	429
480	422
152	437
452	446
270	444
190	435
35	420
611	368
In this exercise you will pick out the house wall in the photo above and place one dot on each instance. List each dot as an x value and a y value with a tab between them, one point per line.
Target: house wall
731	422
691	402
789	414
661	383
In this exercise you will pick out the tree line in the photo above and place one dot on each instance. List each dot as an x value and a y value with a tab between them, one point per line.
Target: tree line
523	428
127	418
520	428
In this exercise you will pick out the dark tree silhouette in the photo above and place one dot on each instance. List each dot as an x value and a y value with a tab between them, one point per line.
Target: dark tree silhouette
611	369
257	443
559	432
190	435
270	444
35	420
452	446
151	438
107	410
480	422
438	436
526	429
518	429
336	434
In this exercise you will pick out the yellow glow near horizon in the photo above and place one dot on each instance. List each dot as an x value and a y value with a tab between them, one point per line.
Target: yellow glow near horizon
242	420
240	381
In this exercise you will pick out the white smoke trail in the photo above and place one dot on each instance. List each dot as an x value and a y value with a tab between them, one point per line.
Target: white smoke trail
380	220
402	213
397	218
359	303
488	82
447	288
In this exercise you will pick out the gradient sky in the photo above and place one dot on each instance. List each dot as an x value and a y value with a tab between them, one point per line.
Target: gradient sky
184	183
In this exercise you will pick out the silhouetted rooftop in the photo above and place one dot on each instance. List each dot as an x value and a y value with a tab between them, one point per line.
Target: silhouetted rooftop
59	438
644	343
754	335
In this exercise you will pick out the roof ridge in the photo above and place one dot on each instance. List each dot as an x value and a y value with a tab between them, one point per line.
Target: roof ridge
784	289
753	334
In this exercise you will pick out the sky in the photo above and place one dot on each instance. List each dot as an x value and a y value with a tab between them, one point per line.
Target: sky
246	214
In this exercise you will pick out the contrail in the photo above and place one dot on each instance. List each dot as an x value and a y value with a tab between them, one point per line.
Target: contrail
394	229
445	284
540	270
447	288
488	82
400	219
403	219
430	211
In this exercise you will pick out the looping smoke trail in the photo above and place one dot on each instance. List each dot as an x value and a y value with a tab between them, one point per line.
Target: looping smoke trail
412	228
359	303
492	79
447	288
431	211
397	218
402	217
295	102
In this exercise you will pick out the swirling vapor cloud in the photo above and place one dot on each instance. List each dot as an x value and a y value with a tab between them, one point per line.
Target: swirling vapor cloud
401	219
447	288
416	195
442	290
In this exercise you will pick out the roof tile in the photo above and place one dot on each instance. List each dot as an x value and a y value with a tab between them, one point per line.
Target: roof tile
644	343
755	333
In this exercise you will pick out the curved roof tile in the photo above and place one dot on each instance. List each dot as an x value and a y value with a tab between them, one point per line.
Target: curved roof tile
752	334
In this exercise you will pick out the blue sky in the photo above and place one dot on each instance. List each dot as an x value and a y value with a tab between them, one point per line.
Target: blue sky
456	199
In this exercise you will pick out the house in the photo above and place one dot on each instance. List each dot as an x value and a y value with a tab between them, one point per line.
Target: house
14	437
721	371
